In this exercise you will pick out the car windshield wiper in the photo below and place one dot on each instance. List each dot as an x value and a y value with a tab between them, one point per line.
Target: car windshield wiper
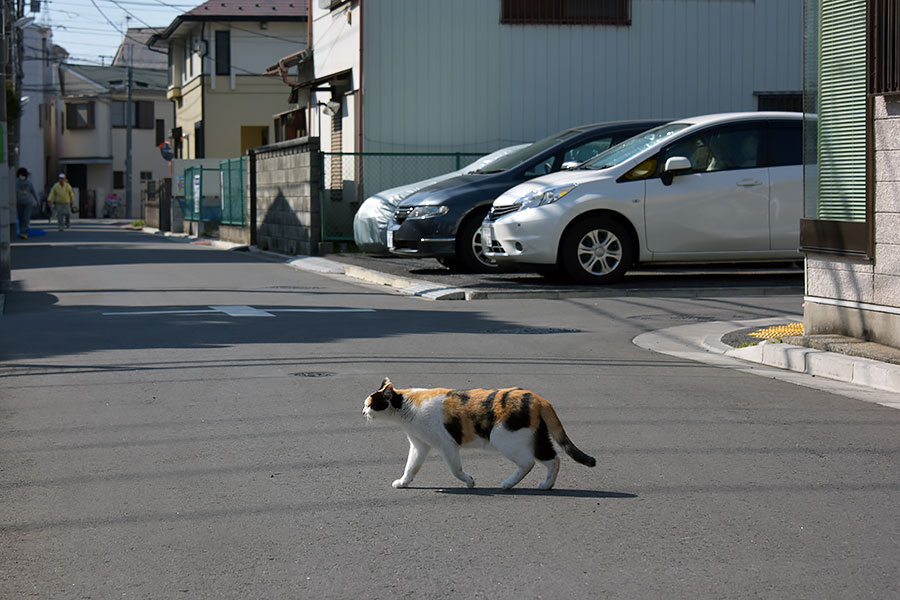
481	172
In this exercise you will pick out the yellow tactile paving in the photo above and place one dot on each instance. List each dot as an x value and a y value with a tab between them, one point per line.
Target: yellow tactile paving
778	331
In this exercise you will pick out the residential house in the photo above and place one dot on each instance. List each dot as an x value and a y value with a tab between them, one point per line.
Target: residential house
218	53
475	75
851	226
92	145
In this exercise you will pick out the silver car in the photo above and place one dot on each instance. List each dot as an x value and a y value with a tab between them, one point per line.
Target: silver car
714	188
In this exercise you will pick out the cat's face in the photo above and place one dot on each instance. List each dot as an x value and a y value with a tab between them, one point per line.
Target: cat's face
386	397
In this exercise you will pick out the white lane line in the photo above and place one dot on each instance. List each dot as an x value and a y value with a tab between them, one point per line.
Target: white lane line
239	311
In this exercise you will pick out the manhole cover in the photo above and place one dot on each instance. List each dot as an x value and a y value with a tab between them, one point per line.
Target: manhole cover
312	374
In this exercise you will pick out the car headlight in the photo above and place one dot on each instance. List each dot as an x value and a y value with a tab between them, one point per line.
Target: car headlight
427	211
545	197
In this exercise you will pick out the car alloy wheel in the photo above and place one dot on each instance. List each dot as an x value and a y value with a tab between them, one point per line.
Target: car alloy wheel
469	247
596	251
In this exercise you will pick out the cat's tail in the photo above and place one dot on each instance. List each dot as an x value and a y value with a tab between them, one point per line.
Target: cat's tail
554	425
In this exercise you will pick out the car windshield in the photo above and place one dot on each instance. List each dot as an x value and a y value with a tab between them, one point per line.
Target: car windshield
632	146
518	157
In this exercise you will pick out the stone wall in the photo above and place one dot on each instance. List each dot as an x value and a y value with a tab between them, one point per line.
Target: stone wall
861	298
288	197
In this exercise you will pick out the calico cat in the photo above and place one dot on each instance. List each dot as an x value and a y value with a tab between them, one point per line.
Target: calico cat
516	422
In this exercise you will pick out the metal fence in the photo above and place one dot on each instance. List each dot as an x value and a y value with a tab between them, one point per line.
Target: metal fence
232	185
201	195
348	178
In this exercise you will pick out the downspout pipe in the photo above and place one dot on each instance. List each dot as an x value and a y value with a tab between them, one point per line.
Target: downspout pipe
359	102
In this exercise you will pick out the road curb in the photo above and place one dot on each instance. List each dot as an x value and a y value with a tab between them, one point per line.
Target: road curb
821	363
860	378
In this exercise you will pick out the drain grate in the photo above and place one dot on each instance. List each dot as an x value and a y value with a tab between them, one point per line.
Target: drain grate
313	374
531	330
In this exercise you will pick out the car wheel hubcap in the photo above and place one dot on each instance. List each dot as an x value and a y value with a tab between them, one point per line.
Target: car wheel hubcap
599	252
478	251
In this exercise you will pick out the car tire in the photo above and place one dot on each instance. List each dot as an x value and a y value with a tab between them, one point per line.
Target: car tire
469	250
596	251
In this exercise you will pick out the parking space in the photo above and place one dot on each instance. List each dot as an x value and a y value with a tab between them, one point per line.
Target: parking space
689	281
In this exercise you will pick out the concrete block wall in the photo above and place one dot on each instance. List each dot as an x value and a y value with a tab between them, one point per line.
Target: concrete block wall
288	207
862	298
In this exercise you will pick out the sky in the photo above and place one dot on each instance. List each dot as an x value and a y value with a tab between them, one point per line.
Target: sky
91	30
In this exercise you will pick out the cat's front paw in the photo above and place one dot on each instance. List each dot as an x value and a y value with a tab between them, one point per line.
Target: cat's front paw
398	484
470	481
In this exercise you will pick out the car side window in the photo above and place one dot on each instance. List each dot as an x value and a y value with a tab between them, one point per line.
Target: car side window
588	150
541	168
785	144
720	149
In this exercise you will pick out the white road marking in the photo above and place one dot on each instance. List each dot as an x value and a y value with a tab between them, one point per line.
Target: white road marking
238	311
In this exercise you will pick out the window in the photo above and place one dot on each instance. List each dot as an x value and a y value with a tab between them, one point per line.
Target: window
223	53
160	132
785	144
719	149
143	110
565	12
837	203
119	180
789	101
587	151
141	114
146	175
80	115
884	65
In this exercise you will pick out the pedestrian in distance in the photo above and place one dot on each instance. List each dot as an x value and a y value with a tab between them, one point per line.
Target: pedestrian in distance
26	199
61	197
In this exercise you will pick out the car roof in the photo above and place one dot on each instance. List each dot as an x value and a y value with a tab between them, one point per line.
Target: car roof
725	117
617	124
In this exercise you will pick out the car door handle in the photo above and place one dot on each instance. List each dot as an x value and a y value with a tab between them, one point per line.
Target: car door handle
749	183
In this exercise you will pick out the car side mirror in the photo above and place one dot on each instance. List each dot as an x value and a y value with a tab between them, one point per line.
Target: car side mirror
675	165
569	165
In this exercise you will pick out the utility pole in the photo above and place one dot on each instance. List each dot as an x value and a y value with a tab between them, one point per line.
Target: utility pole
129	111
6	189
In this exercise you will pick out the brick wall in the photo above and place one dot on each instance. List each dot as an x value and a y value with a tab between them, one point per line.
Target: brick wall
287	197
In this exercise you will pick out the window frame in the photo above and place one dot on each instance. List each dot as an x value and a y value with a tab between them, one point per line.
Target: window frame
558	12
848	238
223	53
71	116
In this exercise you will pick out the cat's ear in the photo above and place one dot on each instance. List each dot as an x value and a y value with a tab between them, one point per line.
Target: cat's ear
386	382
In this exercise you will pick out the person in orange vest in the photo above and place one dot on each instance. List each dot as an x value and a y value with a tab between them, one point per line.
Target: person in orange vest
61	196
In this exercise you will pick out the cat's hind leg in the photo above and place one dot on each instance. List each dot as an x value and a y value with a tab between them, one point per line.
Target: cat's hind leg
552	471
517	446
546	453
418	450
451	456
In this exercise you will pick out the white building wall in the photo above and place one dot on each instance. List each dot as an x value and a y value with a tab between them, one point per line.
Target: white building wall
32	151
447	76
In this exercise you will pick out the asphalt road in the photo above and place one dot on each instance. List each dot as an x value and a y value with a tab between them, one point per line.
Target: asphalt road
183	422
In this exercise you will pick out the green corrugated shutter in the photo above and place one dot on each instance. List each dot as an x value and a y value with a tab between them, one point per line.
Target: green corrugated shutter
842	111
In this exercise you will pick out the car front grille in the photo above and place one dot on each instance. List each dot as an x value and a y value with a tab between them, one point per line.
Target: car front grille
499	211
402	213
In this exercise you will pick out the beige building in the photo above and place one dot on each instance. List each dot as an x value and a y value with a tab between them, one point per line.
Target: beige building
218	54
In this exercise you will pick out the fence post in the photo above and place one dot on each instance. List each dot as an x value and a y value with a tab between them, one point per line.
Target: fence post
251	153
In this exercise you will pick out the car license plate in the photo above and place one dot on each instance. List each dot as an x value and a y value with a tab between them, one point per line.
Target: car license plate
487	238
390	238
